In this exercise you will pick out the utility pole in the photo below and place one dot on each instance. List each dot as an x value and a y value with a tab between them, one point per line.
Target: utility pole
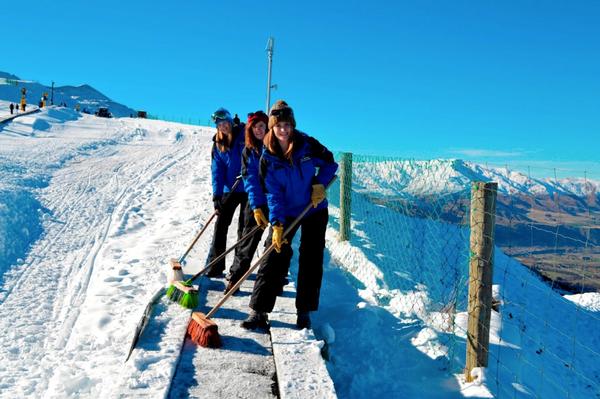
269	49
52	96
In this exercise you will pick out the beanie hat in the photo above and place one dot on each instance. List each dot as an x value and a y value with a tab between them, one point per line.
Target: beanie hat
258	116
281	112
221	114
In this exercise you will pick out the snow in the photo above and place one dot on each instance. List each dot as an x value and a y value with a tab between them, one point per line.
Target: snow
588	300
91	209
86	96
446	176
107	220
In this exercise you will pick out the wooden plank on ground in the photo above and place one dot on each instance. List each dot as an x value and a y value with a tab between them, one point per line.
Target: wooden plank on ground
301	370
242	368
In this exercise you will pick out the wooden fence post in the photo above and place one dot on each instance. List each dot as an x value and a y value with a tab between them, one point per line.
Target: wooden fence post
481	261
345	195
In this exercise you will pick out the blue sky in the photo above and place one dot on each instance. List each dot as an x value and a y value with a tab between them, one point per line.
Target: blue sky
512	82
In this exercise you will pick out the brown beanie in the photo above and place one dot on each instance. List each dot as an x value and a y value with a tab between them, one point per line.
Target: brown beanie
281	112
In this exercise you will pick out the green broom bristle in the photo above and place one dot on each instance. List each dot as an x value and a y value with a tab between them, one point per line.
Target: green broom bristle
186	300
189	301
171	290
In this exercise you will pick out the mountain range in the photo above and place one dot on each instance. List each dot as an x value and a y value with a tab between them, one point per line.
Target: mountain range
550	225
88	98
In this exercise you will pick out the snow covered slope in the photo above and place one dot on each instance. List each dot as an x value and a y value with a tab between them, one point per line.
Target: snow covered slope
408	310
90	208
100	204
86	96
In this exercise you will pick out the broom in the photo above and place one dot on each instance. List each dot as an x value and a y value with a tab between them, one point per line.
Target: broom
183	291
186	294
176	263
205	332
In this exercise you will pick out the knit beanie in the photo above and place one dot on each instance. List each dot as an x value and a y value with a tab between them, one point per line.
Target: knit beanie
281	112
256	117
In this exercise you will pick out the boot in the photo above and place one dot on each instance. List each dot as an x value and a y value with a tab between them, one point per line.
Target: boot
230	285
256	320
303	320
284	282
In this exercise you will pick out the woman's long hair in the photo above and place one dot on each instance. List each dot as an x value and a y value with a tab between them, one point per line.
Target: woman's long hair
250	140
223	140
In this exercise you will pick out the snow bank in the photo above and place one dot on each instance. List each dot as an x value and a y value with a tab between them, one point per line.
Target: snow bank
20	225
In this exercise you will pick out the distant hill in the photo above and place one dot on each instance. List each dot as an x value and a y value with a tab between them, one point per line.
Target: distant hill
86	96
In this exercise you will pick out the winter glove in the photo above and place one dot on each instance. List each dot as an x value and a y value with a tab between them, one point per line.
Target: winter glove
260	218
317	195
218	203
277	239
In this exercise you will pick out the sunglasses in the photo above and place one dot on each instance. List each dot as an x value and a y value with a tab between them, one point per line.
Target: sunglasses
282	113
220	115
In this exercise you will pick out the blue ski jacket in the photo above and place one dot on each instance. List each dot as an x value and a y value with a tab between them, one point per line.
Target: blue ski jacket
288	185
226	165
252	182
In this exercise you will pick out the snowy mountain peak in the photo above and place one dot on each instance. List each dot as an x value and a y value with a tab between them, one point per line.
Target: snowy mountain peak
7	75
84	96
447	176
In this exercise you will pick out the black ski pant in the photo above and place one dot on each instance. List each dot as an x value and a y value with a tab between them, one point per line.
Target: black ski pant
222	226
245	251
310	266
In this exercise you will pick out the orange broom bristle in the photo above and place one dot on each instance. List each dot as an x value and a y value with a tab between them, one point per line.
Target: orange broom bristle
203	331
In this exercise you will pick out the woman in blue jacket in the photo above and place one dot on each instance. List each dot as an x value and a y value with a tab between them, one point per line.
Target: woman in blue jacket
256	208
295	169
226	156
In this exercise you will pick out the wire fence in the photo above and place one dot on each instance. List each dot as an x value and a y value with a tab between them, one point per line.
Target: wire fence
181	119
412	220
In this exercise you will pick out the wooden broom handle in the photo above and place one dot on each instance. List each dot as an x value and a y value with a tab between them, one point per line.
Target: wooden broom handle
189	248
263	256
215	213
218	258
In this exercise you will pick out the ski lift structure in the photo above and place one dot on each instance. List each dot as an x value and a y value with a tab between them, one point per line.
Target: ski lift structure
269	50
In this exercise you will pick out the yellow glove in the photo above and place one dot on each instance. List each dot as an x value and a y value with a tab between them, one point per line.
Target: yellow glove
317	195
277	239
260	218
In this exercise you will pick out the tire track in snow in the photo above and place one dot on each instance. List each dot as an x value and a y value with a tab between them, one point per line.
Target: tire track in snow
128	200
123	201
60	307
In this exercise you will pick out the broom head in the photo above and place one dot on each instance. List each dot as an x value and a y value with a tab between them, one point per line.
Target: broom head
175	264
184	293
203	331
175	273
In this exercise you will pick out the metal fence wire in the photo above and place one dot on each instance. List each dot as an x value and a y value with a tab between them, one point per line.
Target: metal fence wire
412	220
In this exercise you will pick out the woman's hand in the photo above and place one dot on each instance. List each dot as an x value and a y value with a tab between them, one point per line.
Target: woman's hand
260	218
218	203
277	239
317	195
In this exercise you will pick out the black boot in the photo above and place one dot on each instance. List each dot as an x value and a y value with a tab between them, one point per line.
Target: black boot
256	320
303	320
284	282
230	285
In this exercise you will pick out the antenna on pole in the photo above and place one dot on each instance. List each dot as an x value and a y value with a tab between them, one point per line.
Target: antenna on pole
269	50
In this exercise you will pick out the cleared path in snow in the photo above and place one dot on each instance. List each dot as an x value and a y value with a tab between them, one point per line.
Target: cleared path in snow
119	197
8	118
